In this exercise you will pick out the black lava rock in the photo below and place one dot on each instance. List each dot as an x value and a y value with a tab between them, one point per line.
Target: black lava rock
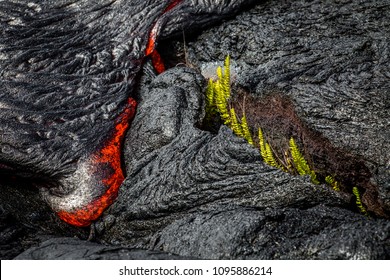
314	70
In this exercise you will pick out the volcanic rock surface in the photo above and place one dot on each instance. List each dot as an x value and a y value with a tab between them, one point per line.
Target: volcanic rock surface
196	193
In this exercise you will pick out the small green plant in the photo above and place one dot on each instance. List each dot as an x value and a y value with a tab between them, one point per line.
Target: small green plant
332	182
217	101
218	94
235	125
210	101
245	130
300	163
359	203
266	151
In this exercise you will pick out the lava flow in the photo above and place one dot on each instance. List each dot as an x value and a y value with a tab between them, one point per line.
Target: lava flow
109	155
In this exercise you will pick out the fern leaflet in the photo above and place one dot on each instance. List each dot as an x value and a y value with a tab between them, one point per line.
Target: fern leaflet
245	130
300	163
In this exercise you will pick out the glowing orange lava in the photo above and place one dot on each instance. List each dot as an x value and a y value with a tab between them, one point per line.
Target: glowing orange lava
151	51
110	154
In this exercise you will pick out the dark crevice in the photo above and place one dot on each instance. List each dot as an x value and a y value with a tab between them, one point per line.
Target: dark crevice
275	113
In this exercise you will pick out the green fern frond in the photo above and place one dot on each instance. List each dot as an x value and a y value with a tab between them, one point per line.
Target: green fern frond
313	177
221	102
218	94
235	125
270	159
359	203
210	95
245	130
300	163
263	151
224	83
210	98
332	182
329	180
219	73
266	151
226	77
